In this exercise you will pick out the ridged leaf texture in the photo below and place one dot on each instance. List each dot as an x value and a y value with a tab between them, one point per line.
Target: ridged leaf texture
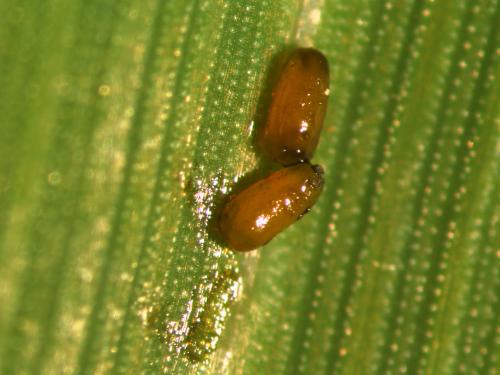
124	124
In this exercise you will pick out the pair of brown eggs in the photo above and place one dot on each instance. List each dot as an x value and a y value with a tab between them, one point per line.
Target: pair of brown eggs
290	135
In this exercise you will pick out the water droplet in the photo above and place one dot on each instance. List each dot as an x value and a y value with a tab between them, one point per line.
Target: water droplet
54	178
104	90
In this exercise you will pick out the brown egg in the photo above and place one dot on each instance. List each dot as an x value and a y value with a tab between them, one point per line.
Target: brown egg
254	216
297	110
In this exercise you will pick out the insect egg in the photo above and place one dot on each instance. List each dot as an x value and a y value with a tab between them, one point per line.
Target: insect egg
253	217
297	109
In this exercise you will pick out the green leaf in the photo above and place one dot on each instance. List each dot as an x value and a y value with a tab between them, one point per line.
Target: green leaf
124	124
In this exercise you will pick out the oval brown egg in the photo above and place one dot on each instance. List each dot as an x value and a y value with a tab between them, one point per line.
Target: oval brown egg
253	217
297	109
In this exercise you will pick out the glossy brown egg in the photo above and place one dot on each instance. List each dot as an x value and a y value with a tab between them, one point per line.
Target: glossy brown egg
254	216
297	110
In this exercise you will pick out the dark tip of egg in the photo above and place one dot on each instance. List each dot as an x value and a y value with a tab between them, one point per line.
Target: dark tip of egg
318	180
318	169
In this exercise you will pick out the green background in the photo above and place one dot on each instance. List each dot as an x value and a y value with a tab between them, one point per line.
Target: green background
123	123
